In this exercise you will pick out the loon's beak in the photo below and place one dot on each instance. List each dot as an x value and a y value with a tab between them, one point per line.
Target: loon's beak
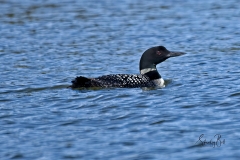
174	54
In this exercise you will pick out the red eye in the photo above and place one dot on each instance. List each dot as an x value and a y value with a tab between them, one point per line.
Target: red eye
159	53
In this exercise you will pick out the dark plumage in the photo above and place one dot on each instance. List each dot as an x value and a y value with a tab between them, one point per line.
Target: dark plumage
114	80
148	77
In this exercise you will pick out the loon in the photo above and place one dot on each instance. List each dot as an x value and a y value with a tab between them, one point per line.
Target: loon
148	77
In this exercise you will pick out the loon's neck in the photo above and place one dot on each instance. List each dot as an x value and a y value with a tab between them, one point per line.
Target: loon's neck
152	73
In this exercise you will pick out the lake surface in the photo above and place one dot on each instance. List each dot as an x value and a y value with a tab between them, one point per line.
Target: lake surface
46	44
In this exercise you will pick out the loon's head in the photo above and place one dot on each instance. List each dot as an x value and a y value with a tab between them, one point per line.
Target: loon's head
156	55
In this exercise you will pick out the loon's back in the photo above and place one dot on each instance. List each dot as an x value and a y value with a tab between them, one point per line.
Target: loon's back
114	80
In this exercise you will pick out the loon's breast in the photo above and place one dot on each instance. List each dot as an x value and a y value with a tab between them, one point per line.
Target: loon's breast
118	80
159	83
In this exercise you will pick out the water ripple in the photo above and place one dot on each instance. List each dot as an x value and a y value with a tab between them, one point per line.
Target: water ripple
44	45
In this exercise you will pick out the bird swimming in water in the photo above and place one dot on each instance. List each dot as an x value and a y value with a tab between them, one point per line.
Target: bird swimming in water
148	77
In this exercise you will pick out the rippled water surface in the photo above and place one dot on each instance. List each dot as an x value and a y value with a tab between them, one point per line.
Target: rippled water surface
46	44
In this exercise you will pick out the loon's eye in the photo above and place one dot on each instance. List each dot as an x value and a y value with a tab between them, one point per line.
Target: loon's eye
159	53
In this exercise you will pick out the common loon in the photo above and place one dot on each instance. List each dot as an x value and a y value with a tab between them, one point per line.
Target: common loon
148	77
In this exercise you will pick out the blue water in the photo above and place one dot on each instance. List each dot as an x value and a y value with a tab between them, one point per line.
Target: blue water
46	44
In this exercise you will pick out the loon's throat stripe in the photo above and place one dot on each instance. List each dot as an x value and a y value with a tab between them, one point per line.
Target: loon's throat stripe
143	71
153	75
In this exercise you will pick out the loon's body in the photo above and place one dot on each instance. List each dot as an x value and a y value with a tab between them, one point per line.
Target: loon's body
148	77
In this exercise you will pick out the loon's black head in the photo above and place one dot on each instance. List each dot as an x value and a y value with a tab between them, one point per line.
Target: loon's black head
156	55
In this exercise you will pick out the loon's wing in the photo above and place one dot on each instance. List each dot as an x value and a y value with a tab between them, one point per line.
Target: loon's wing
123	80
114	80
